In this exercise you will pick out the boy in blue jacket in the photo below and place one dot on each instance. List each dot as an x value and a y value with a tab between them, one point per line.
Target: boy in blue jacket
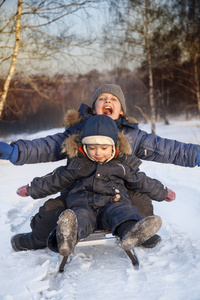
99	170
109	100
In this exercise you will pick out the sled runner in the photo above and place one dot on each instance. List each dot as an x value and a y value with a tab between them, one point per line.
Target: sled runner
101	237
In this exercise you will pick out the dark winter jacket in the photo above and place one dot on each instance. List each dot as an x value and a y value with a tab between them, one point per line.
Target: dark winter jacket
97	183
144	145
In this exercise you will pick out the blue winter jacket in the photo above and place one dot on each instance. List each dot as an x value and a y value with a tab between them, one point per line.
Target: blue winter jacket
146	146
97	183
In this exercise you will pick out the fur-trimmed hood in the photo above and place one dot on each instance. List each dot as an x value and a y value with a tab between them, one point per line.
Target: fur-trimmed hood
72	117
72	144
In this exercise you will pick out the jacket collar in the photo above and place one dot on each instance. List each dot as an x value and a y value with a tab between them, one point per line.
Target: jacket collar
73	117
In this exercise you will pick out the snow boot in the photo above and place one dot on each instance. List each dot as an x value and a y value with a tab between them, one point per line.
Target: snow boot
152	242
52	243
141	232
26	241
66	232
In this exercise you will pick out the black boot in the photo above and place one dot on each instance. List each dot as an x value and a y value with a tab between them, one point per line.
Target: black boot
66	232
26	241
152	242
141	232
52	243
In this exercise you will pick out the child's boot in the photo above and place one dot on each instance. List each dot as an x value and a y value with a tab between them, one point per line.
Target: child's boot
67	231
26	241
140	232
152	242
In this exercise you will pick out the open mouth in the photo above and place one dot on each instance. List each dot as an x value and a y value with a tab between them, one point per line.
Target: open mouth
107	110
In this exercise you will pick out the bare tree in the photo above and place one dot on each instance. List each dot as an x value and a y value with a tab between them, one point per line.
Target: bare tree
195	49
187	16
43	35
14	58
151	87
135	21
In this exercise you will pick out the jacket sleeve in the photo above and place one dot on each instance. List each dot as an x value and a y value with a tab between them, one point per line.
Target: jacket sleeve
40	150
52	183
60	179
139	181
148	146
45	149
48	148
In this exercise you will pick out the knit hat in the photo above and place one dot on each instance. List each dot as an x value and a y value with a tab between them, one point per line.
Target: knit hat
113	89
100	130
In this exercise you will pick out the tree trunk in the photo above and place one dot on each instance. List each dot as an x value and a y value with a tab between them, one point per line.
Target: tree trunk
14	59
197	82
164	103
196	54
151	88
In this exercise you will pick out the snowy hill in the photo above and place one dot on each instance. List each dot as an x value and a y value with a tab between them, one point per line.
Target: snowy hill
169	271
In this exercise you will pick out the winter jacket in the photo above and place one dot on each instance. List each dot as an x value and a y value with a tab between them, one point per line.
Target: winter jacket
144	145
98	190
97	183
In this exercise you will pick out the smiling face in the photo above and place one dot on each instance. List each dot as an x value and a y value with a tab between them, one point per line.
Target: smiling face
108	104
99	152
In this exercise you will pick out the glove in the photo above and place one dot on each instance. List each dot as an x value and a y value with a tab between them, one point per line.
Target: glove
23	191
198	159
170	196
8	152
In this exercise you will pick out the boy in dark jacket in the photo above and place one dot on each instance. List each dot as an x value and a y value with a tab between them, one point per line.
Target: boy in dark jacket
145	146
100	170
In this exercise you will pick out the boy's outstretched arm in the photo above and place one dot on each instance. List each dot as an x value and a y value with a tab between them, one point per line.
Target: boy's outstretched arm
58	180
139	181
38	150
148	146
52	183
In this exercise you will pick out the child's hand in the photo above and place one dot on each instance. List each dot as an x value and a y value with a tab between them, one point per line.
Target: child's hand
23	191
170	196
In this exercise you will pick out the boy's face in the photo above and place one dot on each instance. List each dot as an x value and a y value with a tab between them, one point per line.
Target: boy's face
99	152
107	104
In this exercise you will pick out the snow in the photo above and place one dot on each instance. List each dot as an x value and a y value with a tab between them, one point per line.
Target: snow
169	271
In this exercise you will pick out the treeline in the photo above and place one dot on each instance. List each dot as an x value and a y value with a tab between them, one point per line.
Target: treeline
42	102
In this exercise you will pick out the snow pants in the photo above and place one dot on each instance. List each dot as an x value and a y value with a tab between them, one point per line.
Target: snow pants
46	219
108	217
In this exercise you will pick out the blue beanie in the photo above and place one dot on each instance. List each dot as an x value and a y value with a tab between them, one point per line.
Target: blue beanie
100	129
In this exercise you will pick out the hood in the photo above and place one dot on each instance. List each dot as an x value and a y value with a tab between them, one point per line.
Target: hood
73	117
72	145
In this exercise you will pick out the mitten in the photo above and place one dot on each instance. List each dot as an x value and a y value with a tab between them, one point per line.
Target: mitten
198	159
170	196
23	191
8	152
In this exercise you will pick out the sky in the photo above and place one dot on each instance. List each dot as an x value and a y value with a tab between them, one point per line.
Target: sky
96	18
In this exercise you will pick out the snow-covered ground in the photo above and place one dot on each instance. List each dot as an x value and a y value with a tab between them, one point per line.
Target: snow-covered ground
169	271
